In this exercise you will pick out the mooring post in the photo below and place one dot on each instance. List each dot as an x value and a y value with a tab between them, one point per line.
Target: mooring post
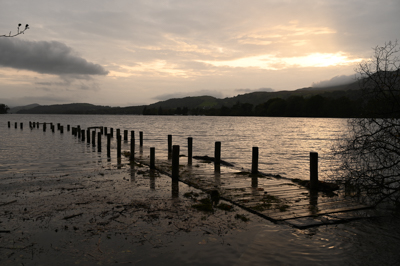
109	145
254	164
105	131
101	130
52	128
83	134
16	125
88	135
94	138
141	138
79	131
175	162
217	153
169	145
58	126
132	157
99	142
37	125
61	129
190	150
118	146
44	127
314	170
9	124
125	135
22	125
68	128
118	133
112	132
152	158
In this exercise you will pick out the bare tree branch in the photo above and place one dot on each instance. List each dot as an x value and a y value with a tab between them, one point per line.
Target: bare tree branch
18	31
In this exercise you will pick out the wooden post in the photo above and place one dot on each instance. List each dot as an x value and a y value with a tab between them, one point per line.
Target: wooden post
61	129
169	145
152	158
132	157
22	125
118	132
37	125
88	135
217	153
112	132
83	134
99	141
9	124
16	125
141	138
105	131
190	150
68	128
44	127
94	138
109	145
313	170
79	131
52	128
125	135
254	164
58	126
175	162
118	146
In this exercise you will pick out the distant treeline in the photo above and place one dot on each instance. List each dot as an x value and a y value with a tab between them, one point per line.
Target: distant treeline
294	106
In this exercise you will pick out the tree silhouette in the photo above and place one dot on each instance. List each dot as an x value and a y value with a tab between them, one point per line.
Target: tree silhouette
18	31
370	154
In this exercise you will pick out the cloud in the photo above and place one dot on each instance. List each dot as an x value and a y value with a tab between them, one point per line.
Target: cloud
250	90
335	81
46	58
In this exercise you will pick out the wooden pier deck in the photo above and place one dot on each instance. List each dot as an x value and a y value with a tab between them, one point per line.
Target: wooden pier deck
274	198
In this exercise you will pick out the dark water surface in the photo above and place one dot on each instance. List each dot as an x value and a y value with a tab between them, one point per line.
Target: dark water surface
284	145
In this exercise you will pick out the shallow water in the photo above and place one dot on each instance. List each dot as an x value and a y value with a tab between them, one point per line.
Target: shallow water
284	145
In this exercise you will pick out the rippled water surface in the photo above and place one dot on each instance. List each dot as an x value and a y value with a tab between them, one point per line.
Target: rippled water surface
284	143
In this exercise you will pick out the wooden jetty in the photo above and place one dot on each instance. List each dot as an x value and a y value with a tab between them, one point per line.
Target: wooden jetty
274	198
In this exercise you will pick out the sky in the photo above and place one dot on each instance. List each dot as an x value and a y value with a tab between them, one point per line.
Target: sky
134	52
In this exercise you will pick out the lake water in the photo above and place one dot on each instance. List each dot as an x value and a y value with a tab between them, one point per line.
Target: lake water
284	143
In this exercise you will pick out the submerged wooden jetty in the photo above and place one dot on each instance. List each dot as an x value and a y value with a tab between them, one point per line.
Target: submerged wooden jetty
300	203
272	197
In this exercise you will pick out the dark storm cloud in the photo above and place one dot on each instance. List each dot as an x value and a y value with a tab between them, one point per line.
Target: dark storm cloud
46	58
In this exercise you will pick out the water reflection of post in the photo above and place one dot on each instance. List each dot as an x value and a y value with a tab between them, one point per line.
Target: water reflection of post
313	201
132	171
175	171
152	179
119	162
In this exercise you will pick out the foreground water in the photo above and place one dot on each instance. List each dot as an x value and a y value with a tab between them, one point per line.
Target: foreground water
284	145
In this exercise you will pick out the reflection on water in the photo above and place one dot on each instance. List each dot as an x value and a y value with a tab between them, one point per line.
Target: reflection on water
284	143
